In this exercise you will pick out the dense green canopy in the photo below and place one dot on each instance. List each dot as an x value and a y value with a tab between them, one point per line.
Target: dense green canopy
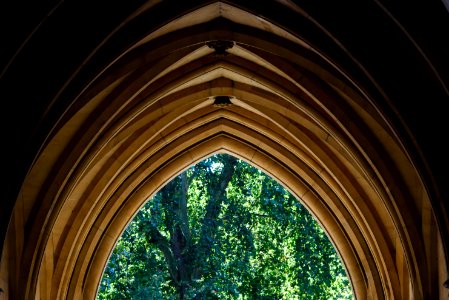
224	230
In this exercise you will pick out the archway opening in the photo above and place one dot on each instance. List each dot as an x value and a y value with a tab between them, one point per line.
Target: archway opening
223	228
294	113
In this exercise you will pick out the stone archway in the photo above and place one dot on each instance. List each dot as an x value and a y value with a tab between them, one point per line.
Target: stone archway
294	114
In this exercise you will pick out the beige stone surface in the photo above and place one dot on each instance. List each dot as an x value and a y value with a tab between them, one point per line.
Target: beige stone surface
149	115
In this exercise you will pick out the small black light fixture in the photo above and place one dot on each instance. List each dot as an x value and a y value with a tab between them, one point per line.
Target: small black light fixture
220	47
222	101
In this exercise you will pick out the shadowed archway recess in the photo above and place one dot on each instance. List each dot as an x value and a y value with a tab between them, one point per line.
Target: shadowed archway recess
295	113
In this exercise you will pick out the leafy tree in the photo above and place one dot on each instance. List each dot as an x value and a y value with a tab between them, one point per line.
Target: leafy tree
224	230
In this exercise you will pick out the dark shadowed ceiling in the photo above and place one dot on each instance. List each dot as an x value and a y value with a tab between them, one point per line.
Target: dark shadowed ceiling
396	51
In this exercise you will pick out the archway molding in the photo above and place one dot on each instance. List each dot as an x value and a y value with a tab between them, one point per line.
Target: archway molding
294	114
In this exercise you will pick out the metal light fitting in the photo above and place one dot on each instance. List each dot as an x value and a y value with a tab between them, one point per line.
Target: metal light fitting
222	101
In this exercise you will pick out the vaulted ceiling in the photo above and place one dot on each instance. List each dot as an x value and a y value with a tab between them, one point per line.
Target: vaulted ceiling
340	102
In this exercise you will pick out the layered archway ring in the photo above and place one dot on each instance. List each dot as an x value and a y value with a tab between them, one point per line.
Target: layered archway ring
294	114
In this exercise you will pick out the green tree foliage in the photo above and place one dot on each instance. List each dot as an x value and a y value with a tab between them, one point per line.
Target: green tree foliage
224	230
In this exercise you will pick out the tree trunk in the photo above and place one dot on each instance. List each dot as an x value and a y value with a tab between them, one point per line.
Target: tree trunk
179	252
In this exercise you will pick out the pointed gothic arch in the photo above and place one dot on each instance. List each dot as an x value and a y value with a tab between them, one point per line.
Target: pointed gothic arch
296	114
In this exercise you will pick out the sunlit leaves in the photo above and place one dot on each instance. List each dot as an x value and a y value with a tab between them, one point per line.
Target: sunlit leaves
247	237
